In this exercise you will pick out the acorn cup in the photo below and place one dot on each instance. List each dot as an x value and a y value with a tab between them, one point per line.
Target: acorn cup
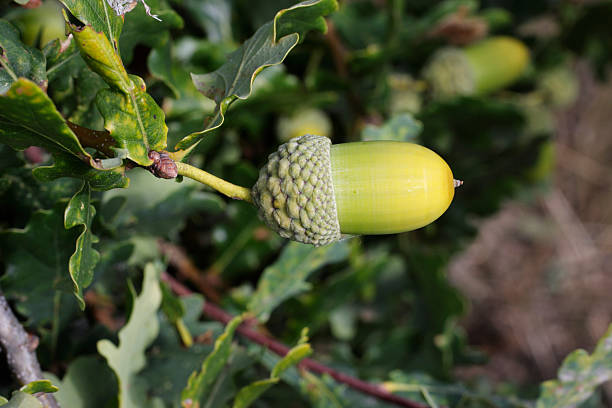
478	69
314	192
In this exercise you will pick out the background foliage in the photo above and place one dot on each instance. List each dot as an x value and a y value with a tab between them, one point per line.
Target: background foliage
86	235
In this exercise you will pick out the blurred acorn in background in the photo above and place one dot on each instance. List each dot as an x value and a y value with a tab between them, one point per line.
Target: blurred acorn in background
304	121
314	192
405	93
477	69
558	87
44	23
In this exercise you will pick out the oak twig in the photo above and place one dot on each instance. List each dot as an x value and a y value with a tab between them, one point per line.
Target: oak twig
20	347
222	186
216	313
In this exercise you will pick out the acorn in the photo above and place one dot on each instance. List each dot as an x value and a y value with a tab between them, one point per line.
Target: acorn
314	192
303	121
477	69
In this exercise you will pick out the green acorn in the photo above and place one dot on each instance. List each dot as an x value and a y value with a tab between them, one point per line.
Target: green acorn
303	121
314	192
477	69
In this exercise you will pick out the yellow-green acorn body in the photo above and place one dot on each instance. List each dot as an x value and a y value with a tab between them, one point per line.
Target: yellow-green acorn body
477	69
314	192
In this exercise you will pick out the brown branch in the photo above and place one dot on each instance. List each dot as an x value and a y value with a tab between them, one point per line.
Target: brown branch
206	283
20	351
216	313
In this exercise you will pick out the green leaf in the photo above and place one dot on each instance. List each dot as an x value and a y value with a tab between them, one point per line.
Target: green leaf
38	386
579	375
159	208
29	118
62	61
292	358
80	211
268	46
170	366
23	400
402	128
251	392
200	382
128	358
18	60
287	276
67	166
37	264
140	28
134	120
171	305
247	395
88	383
99	15
214	16
130	114
174	310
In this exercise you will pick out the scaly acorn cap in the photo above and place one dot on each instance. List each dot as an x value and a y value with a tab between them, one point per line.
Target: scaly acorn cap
477	69
313	192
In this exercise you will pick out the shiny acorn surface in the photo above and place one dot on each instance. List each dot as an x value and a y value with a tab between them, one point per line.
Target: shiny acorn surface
384	187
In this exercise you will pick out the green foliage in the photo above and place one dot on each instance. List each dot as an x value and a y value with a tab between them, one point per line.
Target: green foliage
128	358
38	257
579	376
22	400
130	114
38	386
287	277
268	46
29	118
82	262
18	60
80	217
200	382
247	395
88	383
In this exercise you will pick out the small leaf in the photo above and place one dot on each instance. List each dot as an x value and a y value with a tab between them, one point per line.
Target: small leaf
29	118
67	166
18	60
292	358
287	276
200	382
579	375
22	400
402	128
130	114
128	358
268	46
84	259
247	395
99	15
38	386
174	310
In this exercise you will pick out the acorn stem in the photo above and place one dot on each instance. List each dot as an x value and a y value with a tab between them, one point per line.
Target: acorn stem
222	186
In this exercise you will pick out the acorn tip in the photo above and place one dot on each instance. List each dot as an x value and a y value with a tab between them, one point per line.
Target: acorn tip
457	183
